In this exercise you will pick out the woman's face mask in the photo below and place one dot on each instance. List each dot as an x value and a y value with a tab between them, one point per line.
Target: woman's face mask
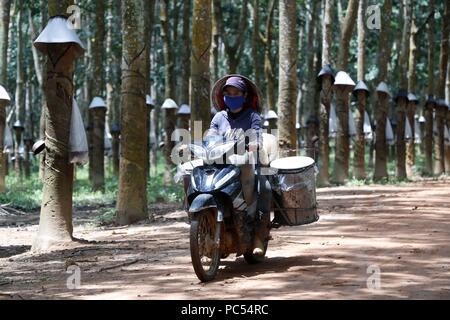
234	102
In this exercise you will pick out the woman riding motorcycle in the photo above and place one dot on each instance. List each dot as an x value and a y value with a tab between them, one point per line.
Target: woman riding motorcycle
239	101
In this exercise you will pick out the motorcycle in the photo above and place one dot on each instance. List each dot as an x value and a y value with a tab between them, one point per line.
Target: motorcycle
221	222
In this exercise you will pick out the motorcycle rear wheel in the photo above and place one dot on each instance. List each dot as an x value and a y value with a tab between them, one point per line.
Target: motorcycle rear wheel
205	245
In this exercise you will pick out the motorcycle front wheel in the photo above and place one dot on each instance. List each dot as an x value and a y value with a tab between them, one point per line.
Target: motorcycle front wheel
205	245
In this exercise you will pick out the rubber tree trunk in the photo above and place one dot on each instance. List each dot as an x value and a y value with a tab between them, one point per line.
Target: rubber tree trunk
98	124
359	167
20	92
341	164
428	107
55	225
186	63
400	133
200	68
324	157
287	89
3	158
381	147
325	97
115	153
439	163
169	88
98	141
111	85
255	41
447	147
347	26
268	65
428	138
410	145
132	196
5	6
441	110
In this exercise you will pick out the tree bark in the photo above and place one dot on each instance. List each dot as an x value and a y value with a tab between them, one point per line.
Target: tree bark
268	66
341	165
441	111
255	42
216	28
169	89
347	27
55	225
132	196
234	50
411	107
287	91
428	107
381	147
325	97
98	117
359	153
309	106
403	84
20	91
111	85
186	62
200	72
5	6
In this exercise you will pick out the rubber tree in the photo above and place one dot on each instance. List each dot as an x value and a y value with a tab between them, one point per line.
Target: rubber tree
362	93
381	147
410	145
200	67
266	39
382	96
342	87
401	98
97	113
5	6
326	77
4	101
441	106
347	26
97	121
132	195
287	73
429	103
20	92
412	100
55	225
169	86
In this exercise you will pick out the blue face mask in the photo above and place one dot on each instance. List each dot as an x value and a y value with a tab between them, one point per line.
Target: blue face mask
234	103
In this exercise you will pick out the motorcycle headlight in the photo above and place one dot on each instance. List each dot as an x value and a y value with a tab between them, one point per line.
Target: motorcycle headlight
198	151
218	151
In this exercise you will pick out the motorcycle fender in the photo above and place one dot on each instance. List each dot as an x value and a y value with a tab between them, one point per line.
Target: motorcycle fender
202	202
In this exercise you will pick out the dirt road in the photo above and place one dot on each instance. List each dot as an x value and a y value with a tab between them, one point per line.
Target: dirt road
383	242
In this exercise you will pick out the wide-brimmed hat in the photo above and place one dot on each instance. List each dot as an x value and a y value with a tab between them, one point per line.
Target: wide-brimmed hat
254	96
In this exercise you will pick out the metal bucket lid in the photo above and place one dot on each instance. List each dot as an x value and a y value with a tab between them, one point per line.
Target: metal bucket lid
4	96
292	164
97	102
59	31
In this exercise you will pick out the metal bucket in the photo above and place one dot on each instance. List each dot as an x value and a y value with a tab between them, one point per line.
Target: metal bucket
294	183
